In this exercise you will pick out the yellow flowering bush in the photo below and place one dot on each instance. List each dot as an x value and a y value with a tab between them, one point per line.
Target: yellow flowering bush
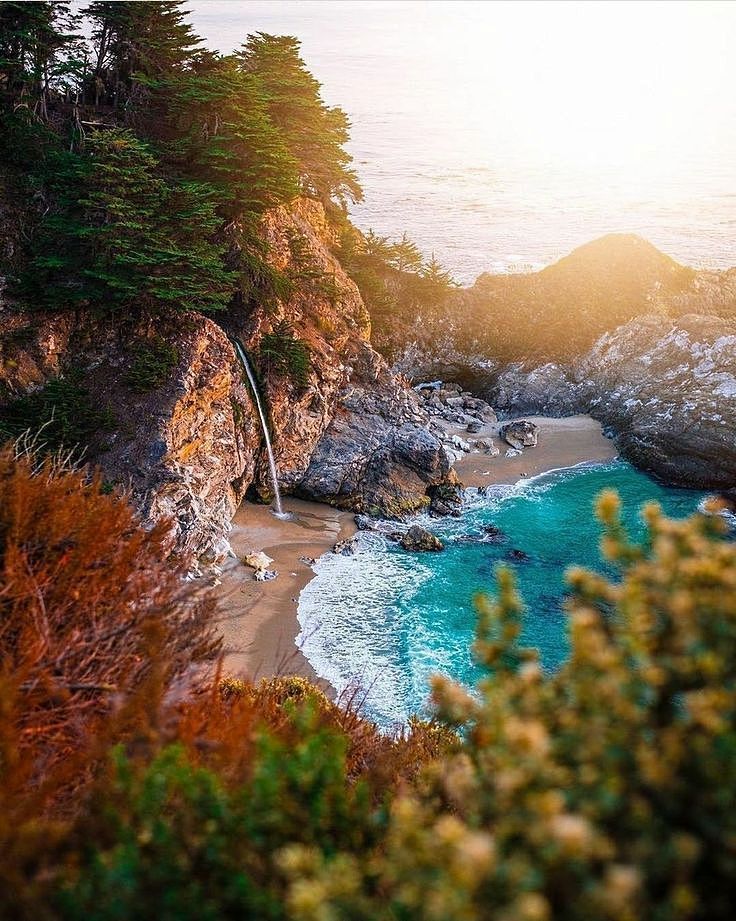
604	791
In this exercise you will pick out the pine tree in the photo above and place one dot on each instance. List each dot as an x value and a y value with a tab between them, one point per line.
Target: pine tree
314	133
438	282
212	123
122	238
406	256
36	41
133	40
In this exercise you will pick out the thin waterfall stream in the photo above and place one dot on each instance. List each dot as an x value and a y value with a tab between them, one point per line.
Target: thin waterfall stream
240	351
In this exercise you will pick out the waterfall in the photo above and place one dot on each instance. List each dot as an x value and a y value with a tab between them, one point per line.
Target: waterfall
256	396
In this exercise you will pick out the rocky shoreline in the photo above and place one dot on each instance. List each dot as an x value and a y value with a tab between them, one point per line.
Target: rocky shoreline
259	619
349	430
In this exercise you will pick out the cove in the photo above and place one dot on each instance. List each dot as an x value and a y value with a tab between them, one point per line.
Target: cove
385	619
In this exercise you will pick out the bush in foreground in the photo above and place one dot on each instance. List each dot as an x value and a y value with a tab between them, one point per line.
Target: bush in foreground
604	791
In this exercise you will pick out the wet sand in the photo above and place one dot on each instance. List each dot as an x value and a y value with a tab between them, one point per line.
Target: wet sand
259	619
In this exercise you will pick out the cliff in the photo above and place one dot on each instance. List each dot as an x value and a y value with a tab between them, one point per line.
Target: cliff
181	432
616	329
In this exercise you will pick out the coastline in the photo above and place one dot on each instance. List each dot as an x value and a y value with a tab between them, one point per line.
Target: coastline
563	442
258	620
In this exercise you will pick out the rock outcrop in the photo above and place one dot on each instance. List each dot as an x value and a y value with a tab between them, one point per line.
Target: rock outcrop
185	449
420	540
188	448
520	434
667	389
377	455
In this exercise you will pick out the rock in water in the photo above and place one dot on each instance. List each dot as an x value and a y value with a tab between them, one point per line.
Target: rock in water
419	539
346	547
446	499
520	434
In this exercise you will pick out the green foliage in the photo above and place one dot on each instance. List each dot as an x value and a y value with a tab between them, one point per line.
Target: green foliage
395	282
282	352
61	415
314	133
122	238
211	122
153	362
133	40
166	210
169	839
40	50
603	791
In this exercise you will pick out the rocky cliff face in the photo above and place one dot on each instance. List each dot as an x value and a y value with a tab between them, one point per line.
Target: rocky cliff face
184	448
666	388
189	447
378	454
661	378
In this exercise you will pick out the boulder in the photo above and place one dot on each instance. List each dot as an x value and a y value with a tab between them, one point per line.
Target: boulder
487	446
520	434
494	534
457	442
446	499
257	560
378	455
265	575
347	547
418	539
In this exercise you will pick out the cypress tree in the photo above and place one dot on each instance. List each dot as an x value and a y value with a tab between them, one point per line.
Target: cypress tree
123	238
314	132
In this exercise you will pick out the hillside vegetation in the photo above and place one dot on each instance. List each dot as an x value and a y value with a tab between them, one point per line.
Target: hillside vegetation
558	313
604	791
139	782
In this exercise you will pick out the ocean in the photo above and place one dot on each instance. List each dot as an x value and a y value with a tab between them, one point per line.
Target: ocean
384	620
500	136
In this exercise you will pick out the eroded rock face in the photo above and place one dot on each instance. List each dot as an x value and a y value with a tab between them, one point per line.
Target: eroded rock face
377	455
667	389
547	390
184	449
353	434
324	311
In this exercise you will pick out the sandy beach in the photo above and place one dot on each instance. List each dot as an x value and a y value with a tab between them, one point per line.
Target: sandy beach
562	443
259	619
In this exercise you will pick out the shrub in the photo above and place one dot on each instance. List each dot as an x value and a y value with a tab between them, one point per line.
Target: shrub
602	791
61	415
282	352
88	603
152	365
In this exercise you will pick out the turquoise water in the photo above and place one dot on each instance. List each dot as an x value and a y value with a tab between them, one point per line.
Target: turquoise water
386	619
